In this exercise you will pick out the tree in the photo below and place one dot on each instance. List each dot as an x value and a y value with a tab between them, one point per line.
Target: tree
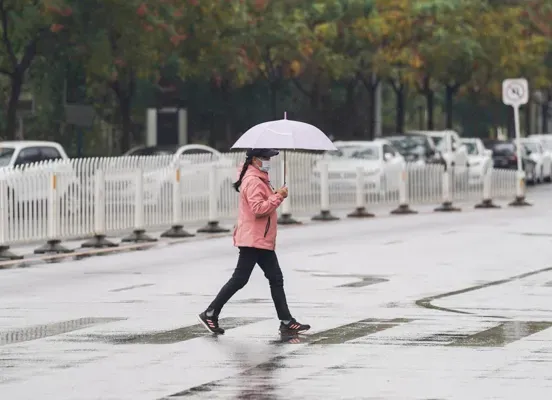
122	42
395	28
272	41
28	29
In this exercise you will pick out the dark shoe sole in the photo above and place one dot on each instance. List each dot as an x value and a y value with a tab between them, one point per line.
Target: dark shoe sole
207	326
292	331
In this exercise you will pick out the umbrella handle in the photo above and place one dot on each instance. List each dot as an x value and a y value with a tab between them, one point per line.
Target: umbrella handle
285	168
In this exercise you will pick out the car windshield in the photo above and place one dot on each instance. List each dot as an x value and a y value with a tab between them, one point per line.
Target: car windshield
345	151
531	146
471	148
367	153
504	149
6	154
415	145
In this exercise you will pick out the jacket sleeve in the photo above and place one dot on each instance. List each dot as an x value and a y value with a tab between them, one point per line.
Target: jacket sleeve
260	206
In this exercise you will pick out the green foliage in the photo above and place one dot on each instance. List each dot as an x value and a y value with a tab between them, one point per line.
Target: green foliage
233	56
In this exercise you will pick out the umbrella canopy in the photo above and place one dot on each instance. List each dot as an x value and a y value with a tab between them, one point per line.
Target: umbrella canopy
284	134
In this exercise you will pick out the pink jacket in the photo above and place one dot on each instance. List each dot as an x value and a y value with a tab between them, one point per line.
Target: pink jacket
257	218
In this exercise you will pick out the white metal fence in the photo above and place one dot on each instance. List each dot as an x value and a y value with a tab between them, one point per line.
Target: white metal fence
99	197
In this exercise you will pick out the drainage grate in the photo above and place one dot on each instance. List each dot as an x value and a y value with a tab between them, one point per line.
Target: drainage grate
42	331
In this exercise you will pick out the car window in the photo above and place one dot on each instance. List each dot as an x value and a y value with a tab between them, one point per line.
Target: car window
367	153
50	153
144	151
471	148
28	155
388	149
199	155
6	155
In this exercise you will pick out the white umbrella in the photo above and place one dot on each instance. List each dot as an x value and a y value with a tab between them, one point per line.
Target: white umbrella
284	134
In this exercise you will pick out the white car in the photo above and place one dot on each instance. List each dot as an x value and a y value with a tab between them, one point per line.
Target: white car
479	158
449	145
382	164
541	157
193	162
31	158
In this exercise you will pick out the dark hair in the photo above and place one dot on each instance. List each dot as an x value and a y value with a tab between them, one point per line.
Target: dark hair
246	164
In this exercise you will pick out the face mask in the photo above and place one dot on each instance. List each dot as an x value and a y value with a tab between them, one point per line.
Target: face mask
265	165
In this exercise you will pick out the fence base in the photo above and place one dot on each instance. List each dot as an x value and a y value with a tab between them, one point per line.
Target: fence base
447	207
403	209
287	219
213	227
53	247
98	242
138	236
6	254
177	231
487	203
324	215
520	202
360	212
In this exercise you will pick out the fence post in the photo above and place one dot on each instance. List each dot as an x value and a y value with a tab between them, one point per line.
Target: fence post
53	244
176	230
325	214
138	235
360	210
286	218
403	208
447	197
520	201
99	241
5	253
213	223
487	201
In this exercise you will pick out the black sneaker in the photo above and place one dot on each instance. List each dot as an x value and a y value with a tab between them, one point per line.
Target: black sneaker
210	323
293	327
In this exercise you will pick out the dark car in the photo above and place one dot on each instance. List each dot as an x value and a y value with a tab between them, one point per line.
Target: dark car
415	148
505	157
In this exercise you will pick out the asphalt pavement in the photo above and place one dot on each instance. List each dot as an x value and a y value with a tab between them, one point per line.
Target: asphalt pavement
427	306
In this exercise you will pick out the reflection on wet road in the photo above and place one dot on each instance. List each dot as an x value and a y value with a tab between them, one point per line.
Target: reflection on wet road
401	309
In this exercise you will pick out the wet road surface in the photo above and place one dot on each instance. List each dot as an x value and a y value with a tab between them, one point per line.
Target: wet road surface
438	306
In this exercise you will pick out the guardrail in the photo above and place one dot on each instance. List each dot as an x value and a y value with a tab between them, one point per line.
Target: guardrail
100	197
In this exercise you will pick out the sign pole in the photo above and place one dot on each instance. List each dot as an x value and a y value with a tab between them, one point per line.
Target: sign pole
515	92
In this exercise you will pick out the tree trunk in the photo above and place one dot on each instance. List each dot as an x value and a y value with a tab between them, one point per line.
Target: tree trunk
371	86
430	106
545	110
126	121
228	112
273	88
11	112
449	99
400	109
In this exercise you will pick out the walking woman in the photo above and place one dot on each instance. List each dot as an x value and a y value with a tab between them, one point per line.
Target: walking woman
255	236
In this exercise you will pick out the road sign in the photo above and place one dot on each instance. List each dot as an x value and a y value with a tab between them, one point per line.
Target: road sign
515	92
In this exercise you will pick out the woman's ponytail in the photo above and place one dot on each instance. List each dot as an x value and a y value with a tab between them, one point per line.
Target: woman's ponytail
246	165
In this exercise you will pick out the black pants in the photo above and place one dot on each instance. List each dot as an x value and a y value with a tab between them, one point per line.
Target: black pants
267	260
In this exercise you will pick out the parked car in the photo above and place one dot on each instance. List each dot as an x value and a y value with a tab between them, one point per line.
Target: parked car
193	161
542	158
505	157
448	144
479	158
381	161
415	148
26	158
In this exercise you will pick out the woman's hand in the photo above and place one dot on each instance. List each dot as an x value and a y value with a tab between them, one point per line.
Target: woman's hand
283	191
